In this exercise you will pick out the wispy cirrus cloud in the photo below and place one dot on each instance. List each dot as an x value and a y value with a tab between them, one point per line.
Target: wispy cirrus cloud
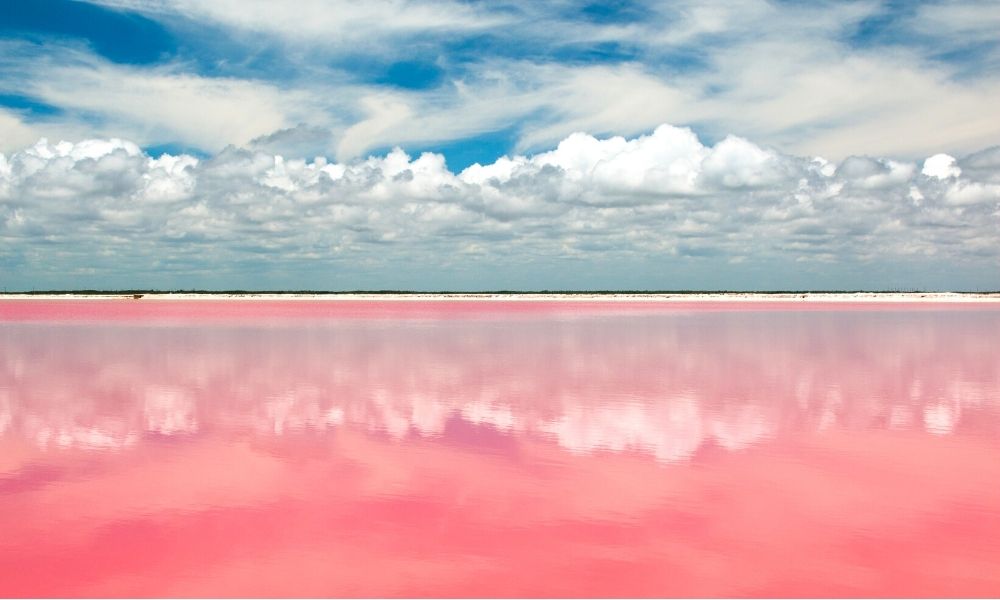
335	24
824	82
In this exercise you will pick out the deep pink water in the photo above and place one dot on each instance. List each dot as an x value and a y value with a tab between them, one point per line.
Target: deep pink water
279	448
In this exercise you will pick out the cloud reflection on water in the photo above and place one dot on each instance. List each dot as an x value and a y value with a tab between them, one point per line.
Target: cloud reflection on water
665	385
678	453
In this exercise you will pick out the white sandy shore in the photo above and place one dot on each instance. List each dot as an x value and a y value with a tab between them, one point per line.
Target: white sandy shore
585	297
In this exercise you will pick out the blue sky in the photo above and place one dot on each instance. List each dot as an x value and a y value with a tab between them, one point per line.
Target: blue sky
251	144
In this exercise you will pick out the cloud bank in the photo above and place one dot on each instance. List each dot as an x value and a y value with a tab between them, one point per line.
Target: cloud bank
103	208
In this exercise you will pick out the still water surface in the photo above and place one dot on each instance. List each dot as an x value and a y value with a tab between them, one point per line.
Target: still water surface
483	449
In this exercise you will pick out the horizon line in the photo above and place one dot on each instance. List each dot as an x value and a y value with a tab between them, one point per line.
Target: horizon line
96	292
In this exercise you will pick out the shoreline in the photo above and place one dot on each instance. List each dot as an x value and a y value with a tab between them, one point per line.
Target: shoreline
666	297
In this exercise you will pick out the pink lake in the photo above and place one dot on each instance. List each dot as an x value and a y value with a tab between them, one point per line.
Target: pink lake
483	448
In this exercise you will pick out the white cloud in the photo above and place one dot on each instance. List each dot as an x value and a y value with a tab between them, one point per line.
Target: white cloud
325	22
208	113
14	133
983	165
816	96
957	22
780	74
808	96
941	166
155	105
624	99
104	206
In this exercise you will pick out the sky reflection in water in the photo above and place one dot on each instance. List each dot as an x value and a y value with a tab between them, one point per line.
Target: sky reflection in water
657	452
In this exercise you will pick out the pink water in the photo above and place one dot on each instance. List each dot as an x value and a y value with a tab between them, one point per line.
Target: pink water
482	449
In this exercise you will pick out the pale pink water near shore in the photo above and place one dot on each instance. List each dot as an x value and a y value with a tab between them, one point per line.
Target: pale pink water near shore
469	448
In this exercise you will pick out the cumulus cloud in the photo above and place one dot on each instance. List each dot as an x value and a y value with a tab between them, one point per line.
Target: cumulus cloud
941	166
73	207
